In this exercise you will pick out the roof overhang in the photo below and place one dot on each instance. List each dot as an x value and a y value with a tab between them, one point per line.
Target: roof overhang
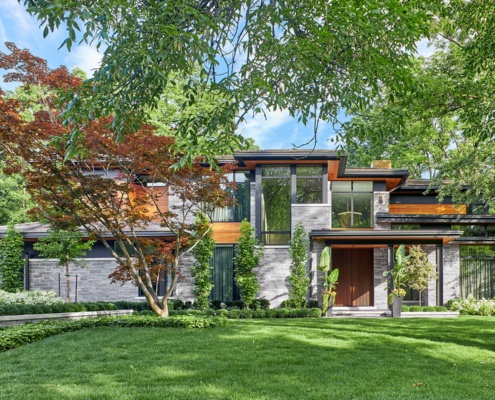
384	237
252	158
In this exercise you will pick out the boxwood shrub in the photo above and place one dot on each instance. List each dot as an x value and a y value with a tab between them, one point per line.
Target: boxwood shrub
18	335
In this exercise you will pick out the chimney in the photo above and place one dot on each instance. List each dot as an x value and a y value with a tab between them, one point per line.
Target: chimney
383	164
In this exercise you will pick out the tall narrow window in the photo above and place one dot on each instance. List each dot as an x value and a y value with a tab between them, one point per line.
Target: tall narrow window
275	204
352	204
224	288
309	184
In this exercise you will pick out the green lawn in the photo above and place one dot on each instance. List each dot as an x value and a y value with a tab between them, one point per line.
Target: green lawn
262	359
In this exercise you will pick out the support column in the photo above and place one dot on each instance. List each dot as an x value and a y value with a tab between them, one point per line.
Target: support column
440	275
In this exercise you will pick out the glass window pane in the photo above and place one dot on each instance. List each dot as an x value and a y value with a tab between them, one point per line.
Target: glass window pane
362	210
363	186
309	170
341	208
309	191
242	207
242	176
223	274
275	204
341	186
275	238
275	171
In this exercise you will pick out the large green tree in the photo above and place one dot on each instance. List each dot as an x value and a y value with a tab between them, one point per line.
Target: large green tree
310	58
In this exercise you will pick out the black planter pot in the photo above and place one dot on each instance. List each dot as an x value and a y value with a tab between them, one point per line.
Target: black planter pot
397	307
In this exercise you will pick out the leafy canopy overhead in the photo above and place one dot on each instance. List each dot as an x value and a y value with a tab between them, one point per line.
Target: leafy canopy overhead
310	58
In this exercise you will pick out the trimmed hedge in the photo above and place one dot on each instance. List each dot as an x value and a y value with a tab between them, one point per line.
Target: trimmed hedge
23	309
424	309
15	336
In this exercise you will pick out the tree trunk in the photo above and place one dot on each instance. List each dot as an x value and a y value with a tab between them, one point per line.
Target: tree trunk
67	279
420	293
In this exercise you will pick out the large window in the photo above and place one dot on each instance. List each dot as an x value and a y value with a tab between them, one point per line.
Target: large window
309	184
241	208
224	287
275	204
352	204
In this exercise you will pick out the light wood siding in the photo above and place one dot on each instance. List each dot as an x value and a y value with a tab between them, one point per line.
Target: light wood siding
226	232
161	195
432	209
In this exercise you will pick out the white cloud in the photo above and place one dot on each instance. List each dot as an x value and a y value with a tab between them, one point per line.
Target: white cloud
85	57
425	48
263	129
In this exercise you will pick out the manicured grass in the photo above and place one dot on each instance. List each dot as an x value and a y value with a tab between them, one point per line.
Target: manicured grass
261	359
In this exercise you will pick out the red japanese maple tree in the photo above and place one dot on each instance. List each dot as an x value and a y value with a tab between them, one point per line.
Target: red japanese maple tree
112	188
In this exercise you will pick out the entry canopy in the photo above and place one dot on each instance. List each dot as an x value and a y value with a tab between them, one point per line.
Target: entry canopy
385	237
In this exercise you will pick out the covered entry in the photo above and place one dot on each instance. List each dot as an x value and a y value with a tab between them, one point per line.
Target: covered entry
355	266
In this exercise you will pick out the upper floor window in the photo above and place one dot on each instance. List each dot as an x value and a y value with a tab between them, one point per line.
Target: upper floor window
309	184
241	208
275	204
352	204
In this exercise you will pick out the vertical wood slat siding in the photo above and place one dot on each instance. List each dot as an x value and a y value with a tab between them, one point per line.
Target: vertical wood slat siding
427	209
477	276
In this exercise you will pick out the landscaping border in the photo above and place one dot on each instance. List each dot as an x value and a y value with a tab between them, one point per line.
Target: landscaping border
9	320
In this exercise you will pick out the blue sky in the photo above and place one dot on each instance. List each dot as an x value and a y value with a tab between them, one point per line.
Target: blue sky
277	131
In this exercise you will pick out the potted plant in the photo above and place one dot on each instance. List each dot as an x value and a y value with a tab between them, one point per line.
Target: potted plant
330	278
397	276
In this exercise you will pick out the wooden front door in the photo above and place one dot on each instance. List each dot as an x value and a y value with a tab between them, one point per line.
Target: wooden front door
355	287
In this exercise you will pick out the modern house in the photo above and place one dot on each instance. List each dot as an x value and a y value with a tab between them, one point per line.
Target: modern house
362	213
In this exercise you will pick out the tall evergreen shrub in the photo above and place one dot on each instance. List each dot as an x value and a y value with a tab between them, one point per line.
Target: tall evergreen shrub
12	261
202	269
247	257
298	277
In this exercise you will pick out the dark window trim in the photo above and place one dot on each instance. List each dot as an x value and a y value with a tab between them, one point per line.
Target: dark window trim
372	209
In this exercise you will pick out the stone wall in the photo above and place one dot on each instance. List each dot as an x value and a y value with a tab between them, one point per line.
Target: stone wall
380	264
451	272
93	283
273	275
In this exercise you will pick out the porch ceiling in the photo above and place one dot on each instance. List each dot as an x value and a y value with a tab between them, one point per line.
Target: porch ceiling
385	237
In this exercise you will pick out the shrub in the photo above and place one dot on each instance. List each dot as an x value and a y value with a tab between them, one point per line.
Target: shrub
235	313
406	308
283	313
246	313
259	313
30	297
264	303
315	312
210	312
440	308
271	313
312	304
216	304
429	309
299	279
472	306
223	313
416	309
18	335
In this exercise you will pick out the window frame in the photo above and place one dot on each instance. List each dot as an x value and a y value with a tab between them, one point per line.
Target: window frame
352	193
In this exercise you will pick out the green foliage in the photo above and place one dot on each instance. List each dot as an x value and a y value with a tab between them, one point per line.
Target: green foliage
299	280
397	274
202	269
235	313
326	50
472	306
330	278
16	336
30	297
248	253
49	308
66	246
12	261
15	201
283	313
246	313
418	271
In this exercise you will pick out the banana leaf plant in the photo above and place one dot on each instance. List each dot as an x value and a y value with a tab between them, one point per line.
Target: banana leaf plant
330	277
398	274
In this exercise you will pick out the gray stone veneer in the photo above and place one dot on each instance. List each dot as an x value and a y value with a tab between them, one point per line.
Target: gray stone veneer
273	275
380	263
93	283
451	272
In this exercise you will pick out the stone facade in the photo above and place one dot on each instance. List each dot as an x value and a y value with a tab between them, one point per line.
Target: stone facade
93	283
451	272
380	265
273	275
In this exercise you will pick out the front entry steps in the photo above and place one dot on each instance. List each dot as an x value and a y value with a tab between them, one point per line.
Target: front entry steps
372	312
363	311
